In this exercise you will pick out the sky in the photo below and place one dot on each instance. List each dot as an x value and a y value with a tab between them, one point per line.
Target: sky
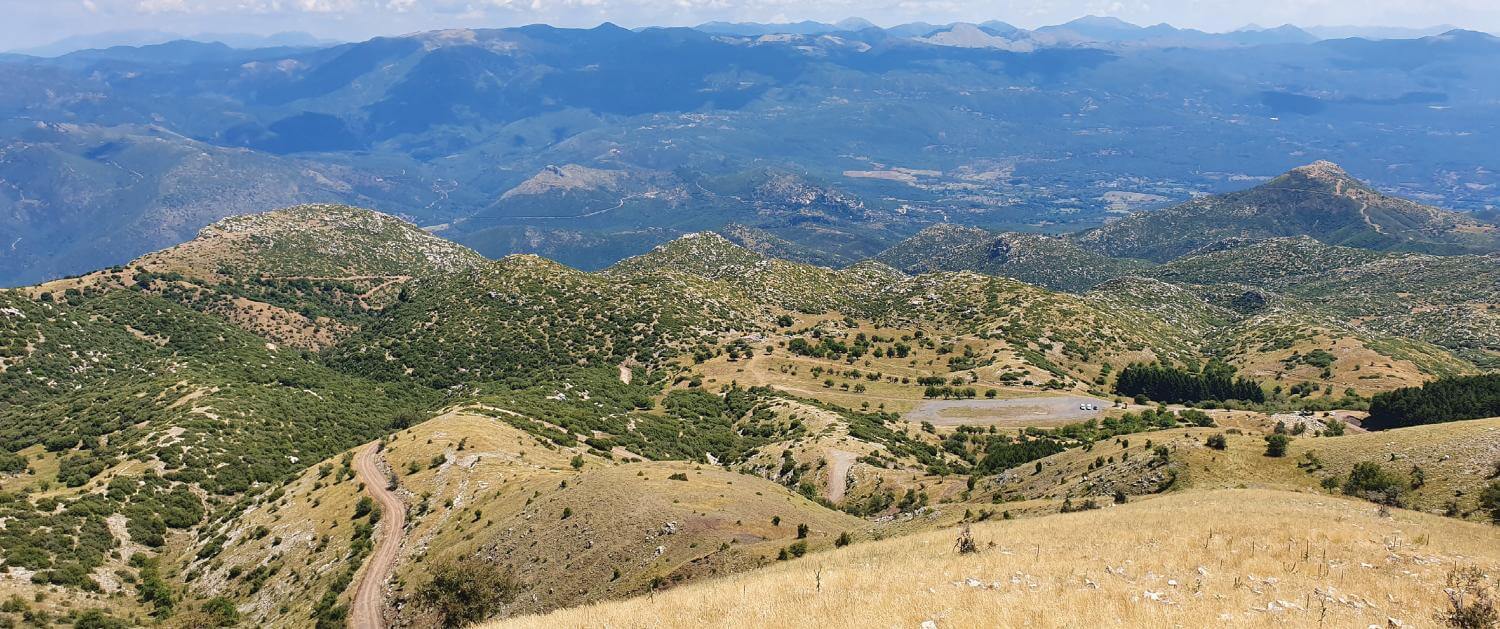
36	22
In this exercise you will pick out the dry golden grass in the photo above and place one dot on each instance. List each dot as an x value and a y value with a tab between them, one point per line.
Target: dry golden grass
476	485
1456	457
1257	558
599	532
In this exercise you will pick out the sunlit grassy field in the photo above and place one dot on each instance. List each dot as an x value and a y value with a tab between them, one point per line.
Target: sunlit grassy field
1257	558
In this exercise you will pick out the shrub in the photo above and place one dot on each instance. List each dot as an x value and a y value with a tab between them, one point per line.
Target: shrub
1087	505
96	619
1369	478
965	543
797	549
802	531
1470	602
1162	454
221	612
12	463
1489	500
843	540
1217	441
1372	482
465	591
1276	445
364	507
1197	418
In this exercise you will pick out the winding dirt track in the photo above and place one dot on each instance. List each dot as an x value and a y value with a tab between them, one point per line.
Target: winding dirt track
839	463
369	598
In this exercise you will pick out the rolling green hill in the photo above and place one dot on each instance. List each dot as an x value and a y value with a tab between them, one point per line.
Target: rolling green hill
1055	263
1448	301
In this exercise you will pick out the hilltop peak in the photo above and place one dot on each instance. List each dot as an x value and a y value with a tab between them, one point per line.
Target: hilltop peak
705	246
1319	200
1322	170
1323	177
705	253
706	237
316	239
855	24
1102	21
941	229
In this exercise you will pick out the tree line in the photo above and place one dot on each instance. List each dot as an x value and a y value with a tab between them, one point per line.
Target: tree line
1442	400
1177	385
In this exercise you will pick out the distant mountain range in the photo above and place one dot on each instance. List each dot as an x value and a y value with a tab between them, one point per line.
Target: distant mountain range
1092	29
1087	30
593	145
113	39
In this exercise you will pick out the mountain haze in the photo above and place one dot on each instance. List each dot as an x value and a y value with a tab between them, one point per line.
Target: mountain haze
593	145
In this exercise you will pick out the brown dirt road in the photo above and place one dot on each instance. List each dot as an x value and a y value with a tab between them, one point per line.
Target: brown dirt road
369	597
839	463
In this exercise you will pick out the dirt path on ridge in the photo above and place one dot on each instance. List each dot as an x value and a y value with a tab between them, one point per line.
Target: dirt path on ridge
369	597
839	463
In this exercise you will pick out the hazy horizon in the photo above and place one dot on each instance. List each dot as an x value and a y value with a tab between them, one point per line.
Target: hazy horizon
37	23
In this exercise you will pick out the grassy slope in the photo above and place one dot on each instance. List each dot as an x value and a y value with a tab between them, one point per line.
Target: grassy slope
1456	457
1122	320
523	314
502	496
1191	559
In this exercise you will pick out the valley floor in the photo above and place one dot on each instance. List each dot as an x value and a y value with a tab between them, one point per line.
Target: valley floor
1256	558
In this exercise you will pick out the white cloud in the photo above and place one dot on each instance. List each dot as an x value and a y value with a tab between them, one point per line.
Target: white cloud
162	6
